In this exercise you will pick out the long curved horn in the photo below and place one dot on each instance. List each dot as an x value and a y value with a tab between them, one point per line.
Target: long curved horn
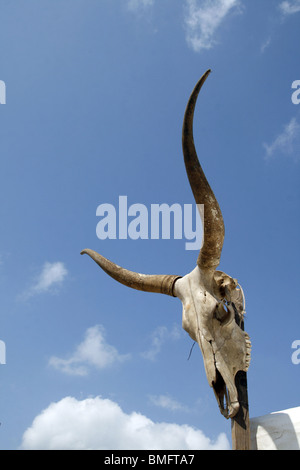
159	283
210	253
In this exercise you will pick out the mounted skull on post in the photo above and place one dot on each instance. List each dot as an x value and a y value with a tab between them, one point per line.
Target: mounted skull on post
213	304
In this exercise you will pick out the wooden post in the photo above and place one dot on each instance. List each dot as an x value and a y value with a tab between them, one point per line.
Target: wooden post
240	424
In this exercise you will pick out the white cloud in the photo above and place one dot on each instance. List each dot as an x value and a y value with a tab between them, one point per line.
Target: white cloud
100	424
51	276
52	273
167	402
161	335
92	352
290	7
202	20
286	142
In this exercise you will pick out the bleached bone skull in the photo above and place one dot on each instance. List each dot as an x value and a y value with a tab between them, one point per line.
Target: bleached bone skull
213	303
209	317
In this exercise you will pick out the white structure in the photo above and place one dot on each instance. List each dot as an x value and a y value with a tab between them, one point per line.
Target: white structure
276	431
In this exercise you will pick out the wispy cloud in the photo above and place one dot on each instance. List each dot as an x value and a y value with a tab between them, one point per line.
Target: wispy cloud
51	277
93	351
287	142
167	402
203	19
290	7
159	337
265	45
139	5
286	8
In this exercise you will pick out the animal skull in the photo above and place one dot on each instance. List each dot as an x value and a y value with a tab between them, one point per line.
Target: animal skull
213	303
209	317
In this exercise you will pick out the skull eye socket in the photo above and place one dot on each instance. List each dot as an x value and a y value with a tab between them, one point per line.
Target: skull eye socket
223	312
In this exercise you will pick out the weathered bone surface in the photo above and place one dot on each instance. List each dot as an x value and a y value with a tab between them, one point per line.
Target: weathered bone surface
213	303
210	320
159	283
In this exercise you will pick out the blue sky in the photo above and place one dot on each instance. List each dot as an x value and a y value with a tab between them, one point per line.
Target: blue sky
95	97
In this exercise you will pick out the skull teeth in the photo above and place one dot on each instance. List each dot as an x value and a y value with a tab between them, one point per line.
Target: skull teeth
248	351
